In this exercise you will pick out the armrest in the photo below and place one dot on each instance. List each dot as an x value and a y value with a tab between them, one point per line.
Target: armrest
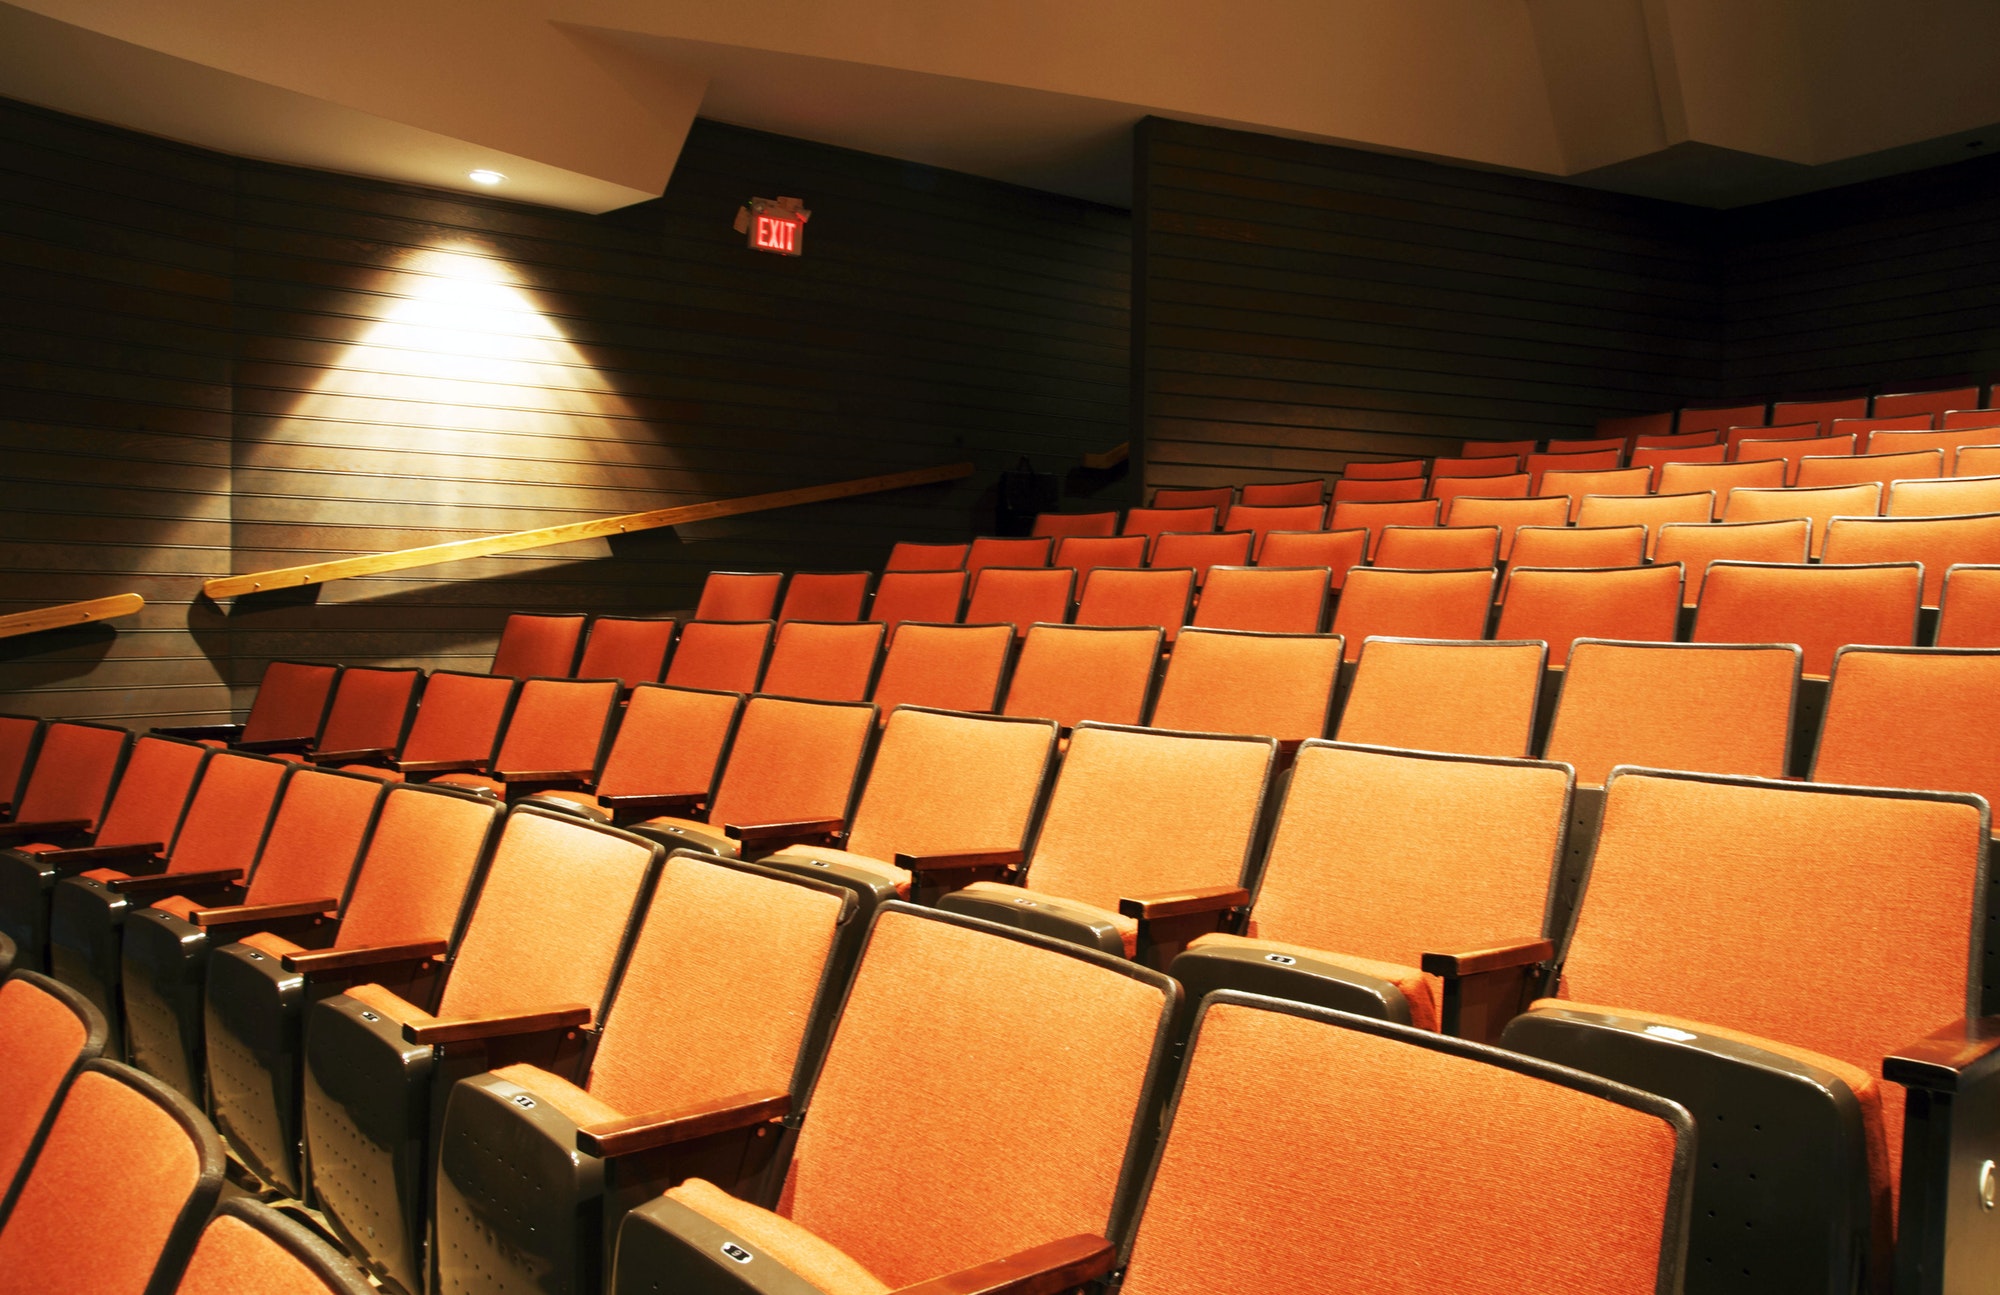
1525	954
244	914
652	804
665	1128
1043	1270
438	766
545	775
203	732
275	745
467	1029
754	832
377	754
105	853
322	961
964	859
1487	988
173	883
1181	903
1941	1062
48	827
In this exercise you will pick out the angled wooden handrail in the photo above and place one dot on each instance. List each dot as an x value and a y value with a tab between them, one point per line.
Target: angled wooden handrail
68	614
1110	458
431	554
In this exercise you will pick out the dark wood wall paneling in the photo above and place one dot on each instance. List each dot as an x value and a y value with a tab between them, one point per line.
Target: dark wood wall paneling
273	366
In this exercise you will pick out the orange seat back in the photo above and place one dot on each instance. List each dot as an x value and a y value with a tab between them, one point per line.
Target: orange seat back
1061	526
413	879
1655	457
1560	607
1950	497
559	726
1361	469
671	742
1876	469
250	1246
1261	521
370	711
1911	717
1573	486
1438	548
1473	698
152	792
1573	547
945	783
1820	608
74	774
1712	709
630	649
1150	522
951	667
1121	596
1412	604
1818	412
47	1030
1970	612
1538	466
1925	402
820	596
905	555
1681	478
460	717
1338	551
1695	546
1020	596
1085	553
1821	504
1280	494
1449	490
824	661
1510	515
727	656
1073	673
1649	511
1719	417
1489	466
1007	551
1372	517
1378	488
315	837
1202	550
739	596
1940	543
793	761
225	819
1497	449
1232	681
1281	600
292	701
933	597
1217	497
537	647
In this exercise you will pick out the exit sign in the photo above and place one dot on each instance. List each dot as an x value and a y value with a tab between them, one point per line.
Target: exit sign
774	225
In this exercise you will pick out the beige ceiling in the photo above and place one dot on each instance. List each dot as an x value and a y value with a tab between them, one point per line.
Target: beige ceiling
585	103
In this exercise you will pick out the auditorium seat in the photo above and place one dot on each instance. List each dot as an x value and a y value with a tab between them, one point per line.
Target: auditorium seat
1573	486
908	555
791	775
1686	440
1121	596
1538	466
457	727
811	596
1694	546
1378	488
1201	550
1111	868
1792	451
630	649
665	758
71	784
1722	478
1062	526
1633	427
1575	547
1865	430
1821	413
535	964
1488	466
1382	602
1385	868
950	667
1820	608
1449	490
728	656
1969	615
1656	457
292	698
398	922
1261	521
73	1229
557	736
1280	600
1649	511
717	1020
1947	444
1954	419
738	596
1821	504
1498	449
1939	543
1935	403
1338	551
249	1246
950	798
1018	596
1736	437
293	889
1562	606
1510	515
1883	470
1150	522
1979	460
1070	1037
20	738
1240	681
824	660
1362	469
532	646
1438	548
1948	497
1006	551
1283	494
1757	952
1474	697
1073	673
933	597
1719	418
1216	497
1085	553
369	715
1588	444
1372	517
47	1031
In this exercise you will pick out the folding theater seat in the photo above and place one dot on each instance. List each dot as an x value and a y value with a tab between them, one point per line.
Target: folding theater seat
1073	673
632	649
1380	602
1372	517
1510	515
1737	437
1293	494
1924	402
1820	608
1418	1127
1538	466
528	982
1487	466
824	660
1793	451
1006	551
1202	550
558	736
907	555
950	798
142	1218
1883	470
1588	445
1947	444
20	738
1864	430
1573	486
1156	596
1722	478
1377	489
1953	419
1717	418
1573	548
1261	521
1361	469
1111	869
1820	505
738	596
1656	457
304	866
1380	858
1077	1034
719	1016
1338	551
456	730
140	821
1979	460
1649	511
1951	497
1969	614
47	1032
70	785
1085	553
1499	449
1239	681
1061	526
1473	698
369	716
949	667
1560	607
1281	600
541	647
287	713
933	597
1217	497
1438	548
1939	543
666	756
818	596
1018	596
728	656
1692	440
1449	490
1821	413
1633	426
1153	522
1760	952
790	779
399	922
1695	546
250	1246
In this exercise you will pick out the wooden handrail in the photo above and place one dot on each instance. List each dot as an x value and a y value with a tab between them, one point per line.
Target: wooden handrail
1110	458
68	614
547	536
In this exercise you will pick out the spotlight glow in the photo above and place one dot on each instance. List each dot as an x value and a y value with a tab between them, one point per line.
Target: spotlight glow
484	176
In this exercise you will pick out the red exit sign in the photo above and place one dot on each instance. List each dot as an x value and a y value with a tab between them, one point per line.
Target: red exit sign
774	225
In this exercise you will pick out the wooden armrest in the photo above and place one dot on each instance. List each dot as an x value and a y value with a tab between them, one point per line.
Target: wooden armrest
652	804
1939	1062
48	827
202	732
329	960
275	745
173	883
374	754
664	1128
1525	954
105	853
239	914
781	831
469	1028
545	775
963	859
1179	903
1043	1270
438	766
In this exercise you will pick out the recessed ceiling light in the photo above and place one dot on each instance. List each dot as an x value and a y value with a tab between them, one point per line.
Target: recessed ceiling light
484	176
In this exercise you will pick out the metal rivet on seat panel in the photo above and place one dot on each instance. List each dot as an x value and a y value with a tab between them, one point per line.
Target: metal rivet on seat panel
1989	1185
1281	959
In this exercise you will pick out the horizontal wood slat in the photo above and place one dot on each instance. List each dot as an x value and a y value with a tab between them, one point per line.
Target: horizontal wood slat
88	612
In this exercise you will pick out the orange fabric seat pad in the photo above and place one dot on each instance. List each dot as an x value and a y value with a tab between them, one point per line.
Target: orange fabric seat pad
271	946
373	771
572	1101
43	1037
179	905
899	877
817	1261
390	1005
1424	992
233	1257
475	781
1127	927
